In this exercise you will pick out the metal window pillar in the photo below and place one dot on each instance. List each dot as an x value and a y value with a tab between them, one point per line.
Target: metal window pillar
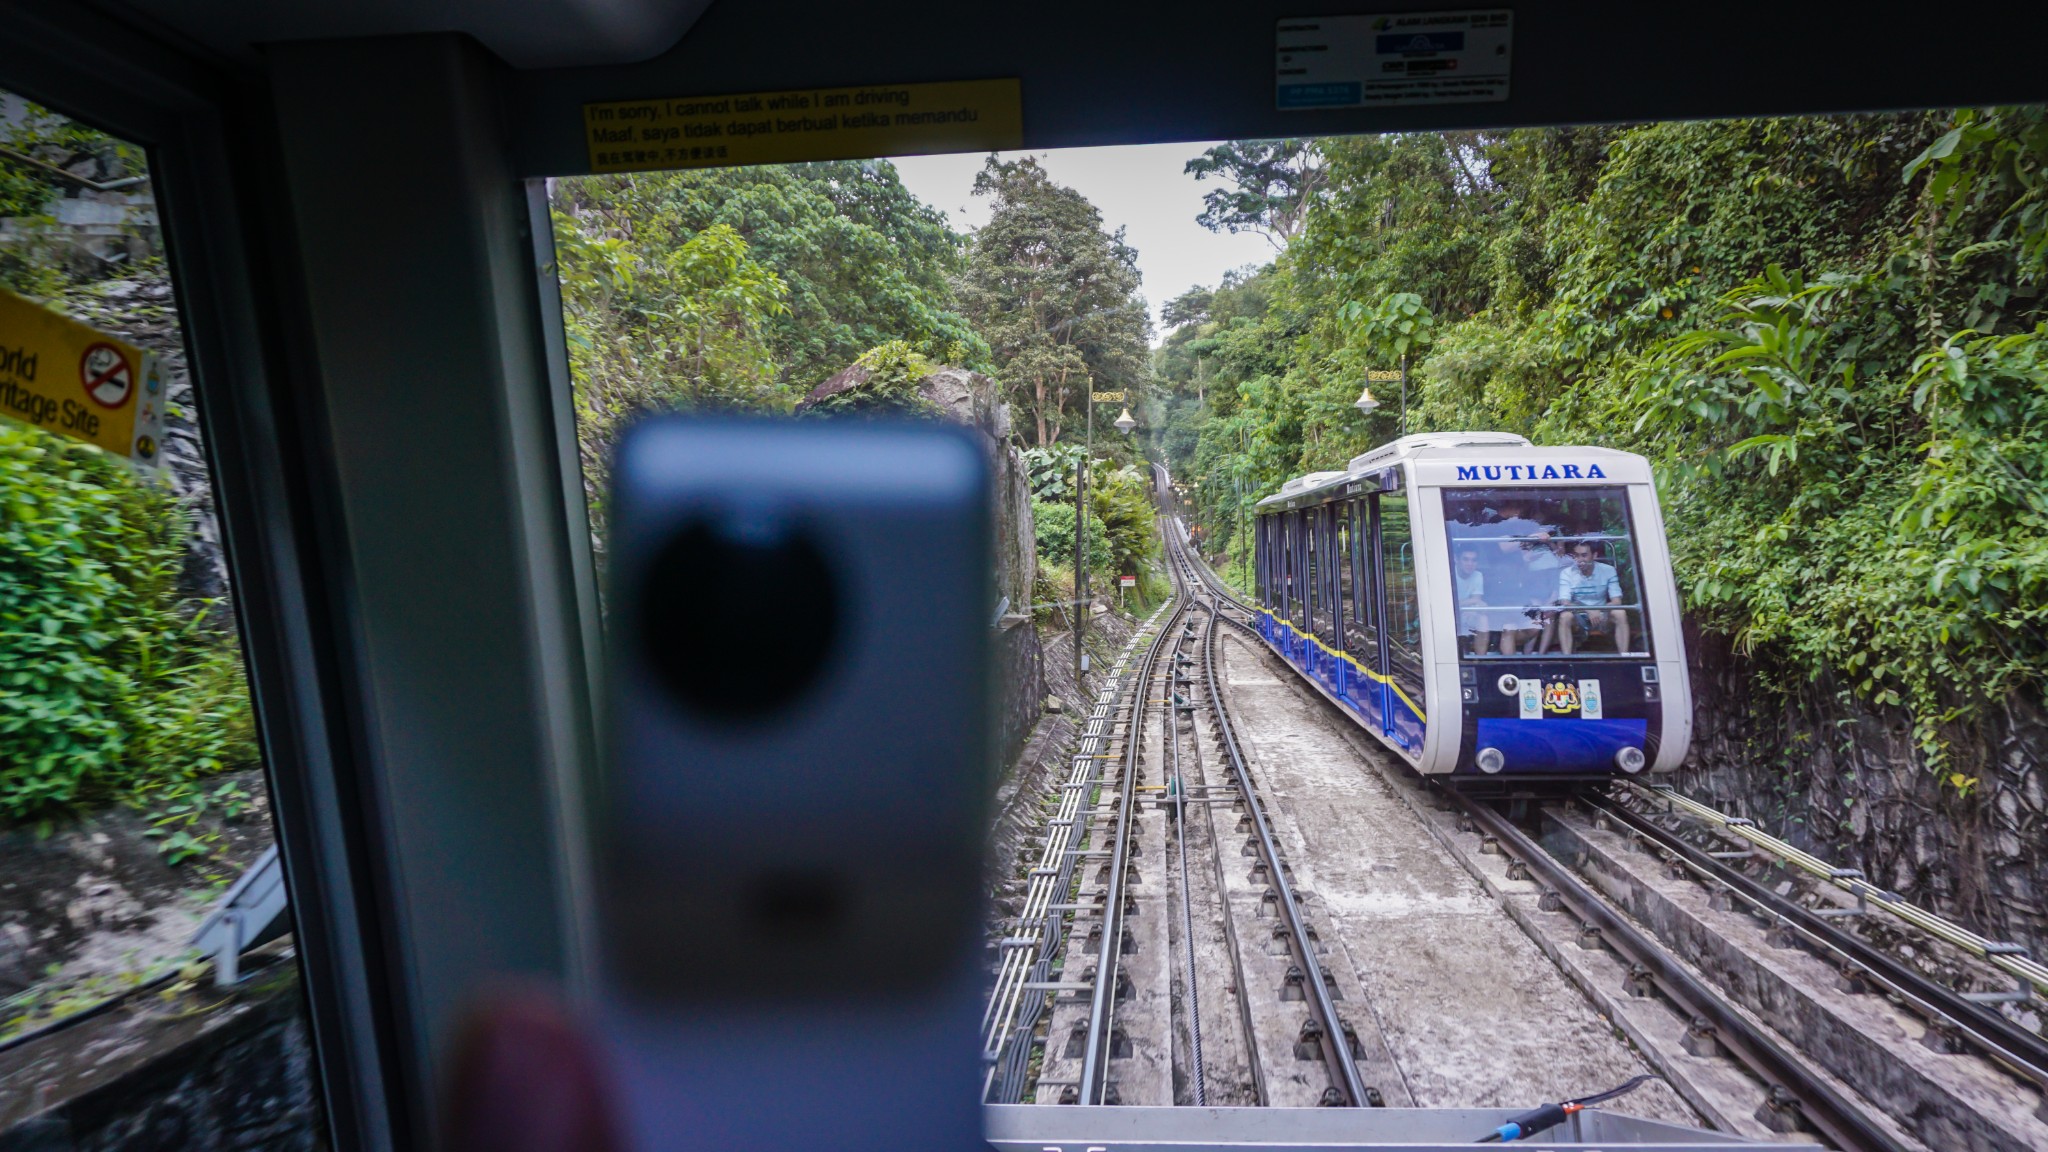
464	583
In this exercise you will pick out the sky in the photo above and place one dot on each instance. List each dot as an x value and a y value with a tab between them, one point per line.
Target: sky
1139	187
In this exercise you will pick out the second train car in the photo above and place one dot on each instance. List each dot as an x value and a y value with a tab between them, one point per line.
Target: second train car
1487	608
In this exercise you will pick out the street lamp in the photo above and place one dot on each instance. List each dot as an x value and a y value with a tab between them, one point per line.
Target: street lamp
1365	403
1124	423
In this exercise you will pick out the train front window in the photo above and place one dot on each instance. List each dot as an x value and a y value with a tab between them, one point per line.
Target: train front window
1544	572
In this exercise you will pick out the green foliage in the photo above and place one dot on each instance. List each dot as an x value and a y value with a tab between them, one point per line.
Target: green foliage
742	289
1055	526
1051	470
1055	296
1272	184
889	375
862	261
652	329
1826	333
1400	325
107	685
1121	500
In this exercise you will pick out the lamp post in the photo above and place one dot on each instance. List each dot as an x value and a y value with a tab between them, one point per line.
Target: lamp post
1402	428
1081	541
1125	423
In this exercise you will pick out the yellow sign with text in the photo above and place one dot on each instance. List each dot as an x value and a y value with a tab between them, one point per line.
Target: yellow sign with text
74	380
804	124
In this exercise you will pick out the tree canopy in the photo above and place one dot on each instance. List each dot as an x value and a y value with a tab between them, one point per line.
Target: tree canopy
1055	295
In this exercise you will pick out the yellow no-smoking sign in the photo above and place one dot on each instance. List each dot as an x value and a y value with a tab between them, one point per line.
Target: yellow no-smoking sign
74	380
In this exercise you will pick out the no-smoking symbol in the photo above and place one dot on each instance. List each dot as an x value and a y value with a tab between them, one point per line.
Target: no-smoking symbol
107	376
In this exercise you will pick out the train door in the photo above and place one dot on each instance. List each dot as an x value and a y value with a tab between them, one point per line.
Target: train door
1297	586
1345	677
1400	650
1311	545
1361	624
1330	623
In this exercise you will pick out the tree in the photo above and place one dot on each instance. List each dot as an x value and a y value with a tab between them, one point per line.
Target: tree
862	261
1273	184
1190	307
1399	327
652	330
1054	294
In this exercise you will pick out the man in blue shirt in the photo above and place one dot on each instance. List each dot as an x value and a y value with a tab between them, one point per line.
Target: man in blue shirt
1586	585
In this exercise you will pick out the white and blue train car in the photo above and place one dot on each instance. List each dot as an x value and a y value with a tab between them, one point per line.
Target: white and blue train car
1485	607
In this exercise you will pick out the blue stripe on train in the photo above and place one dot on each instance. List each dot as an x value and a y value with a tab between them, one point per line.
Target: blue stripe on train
1560	744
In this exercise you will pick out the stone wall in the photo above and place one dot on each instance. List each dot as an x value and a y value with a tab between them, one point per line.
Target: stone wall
972	400
215	1075
1843	780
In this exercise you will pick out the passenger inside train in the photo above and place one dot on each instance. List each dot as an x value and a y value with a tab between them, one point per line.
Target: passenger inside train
1551	572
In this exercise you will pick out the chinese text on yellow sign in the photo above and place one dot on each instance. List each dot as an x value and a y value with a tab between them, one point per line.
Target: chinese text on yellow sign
71	379
804	124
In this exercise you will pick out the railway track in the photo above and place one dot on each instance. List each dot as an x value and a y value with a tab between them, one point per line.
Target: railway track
1795	1093
1025	983
1348	1087
1097	818
1173	668
1969	1016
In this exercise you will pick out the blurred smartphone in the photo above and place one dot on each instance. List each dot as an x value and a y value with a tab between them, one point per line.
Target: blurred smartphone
789	829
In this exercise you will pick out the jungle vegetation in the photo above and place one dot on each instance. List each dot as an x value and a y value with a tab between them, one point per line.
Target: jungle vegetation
1826	332
744	289
117	682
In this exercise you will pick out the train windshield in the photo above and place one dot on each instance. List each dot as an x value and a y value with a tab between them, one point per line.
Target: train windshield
1545	571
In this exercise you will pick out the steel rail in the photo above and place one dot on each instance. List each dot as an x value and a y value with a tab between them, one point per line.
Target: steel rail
2001	1039
1102	1002
1027	958
1335	1041
1187	897
1837	1120
1260	1093
1999	955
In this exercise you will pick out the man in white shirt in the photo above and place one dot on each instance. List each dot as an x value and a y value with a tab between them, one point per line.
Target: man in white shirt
1471	584
1585	586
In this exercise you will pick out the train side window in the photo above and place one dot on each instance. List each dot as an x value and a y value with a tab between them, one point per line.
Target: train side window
1361	625
1312	582
1333	582
1323	531
1347	603
1259	564
1397	554
134	796
1295	606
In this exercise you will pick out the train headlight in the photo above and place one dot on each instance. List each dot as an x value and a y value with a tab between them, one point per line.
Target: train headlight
1491	761
1630	759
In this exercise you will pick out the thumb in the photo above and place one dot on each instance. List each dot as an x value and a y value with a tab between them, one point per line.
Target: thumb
526	1079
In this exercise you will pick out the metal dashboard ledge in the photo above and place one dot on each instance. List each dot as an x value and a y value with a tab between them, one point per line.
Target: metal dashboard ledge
1113	1128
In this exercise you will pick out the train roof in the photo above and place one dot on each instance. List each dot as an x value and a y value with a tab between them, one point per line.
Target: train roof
1469	457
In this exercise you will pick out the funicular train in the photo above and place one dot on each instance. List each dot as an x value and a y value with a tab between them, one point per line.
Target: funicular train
1485	607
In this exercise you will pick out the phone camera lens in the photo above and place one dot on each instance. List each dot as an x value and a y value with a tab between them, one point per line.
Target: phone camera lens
738	627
